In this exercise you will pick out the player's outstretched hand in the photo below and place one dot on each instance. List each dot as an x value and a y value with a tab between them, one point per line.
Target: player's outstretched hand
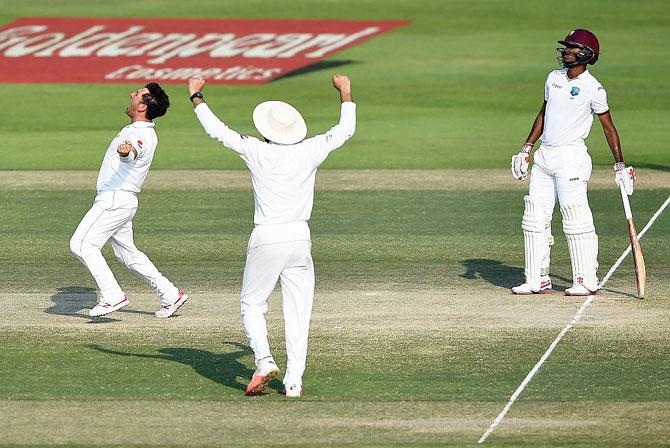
195	84
625	175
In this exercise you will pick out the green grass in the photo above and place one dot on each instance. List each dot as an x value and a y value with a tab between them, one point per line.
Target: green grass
368	358
202	367
385	237
458	87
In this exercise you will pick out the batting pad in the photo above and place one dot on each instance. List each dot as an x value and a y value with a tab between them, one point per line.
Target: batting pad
536	242
582	243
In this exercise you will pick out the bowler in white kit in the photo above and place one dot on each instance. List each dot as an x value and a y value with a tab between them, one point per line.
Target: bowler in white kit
562	168
124	168
283	171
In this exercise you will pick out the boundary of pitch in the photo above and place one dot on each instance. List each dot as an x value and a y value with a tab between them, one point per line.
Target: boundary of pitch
486	179
499	418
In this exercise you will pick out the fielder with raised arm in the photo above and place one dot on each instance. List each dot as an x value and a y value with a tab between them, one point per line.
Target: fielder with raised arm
562	168
283	171
124	168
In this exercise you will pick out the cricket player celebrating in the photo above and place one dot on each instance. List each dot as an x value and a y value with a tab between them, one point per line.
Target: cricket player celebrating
124	168
283	171
562	168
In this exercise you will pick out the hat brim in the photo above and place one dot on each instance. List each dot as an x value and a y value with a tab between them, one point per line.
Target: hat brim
286	136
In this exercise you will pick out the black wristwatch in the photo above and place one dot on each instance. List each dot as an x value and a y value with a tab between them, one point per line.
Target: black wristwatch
197	95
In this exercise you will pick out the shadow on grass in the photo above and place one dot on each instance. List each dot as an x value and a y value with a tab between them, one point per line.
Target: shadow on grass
493	271
72	300
317	66
499	274
222	368
75	301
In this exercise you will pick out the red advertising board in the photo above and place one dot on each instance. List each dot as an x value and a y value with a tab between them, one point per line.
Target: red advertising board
90	50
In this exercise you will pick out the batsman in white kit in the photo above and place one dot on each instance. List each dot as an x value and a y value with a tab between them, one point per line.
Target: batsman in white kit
283	171
562	168
124	168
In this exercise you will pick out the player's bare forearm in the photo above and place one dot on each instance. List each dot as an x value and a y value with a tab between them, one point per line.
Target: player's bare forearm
538	126
611	135
615	145
343	84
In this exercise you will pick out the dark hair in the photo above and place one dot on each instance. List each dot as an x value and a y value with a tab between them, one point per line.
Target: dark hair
156	100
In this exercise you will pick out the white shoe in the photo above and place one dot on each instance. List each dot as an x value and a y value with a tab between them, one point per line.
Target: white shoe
293	390
103	308
169	310
265	372
525	289
579	290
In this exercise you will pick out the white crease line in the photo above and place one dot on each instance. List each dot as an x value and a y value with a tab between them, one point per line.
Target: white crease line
532	373
567	328
639	236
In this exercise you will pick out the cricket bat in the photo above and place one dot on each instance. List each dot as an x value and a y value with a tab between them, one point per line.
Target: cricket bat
638	258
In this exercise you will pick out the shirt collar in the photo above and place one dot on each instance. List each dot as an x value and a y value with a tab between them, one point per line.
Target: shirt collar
582	75
142	124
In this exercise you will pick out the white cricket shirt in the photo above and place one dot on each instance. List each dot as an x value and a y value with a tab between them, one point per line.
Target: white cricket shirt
571	104
282	176
117	175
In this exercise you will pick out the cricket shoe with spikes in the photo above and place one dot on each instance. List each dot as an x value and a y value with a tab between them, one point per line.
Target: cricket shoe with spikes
103	308
525	289
168	310
266	371
292	390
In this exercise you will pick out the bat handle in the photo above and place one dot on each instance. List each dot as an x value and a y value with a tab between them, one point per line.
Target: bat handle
626	203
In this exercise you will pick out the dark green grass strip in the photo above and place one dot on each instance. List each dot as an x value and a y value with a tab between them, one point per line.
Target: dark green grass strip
402	239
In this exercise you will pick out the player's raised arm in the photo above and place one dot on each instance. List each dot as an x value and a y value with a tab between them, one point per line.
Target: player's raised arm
214	127
336	136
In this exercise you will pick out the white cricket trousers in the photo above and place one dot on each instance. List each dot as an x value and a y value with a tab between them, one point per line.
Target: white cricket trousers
560	173
290	262
111	219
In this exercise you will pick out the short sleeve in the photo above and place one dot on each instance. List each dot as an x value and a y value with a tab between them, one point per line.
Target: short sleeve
599	103
546	90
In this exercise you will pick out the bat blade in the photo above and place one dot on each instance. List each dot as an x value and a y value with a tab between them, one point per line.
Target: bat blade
638	260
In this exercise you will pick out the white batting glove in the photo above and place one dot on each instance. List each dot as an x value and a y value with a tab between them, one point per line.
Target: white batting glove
521	161
625	175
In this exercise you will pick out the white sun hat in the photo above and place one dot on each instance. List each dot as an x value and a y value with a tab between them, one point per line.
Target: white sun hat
279	122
